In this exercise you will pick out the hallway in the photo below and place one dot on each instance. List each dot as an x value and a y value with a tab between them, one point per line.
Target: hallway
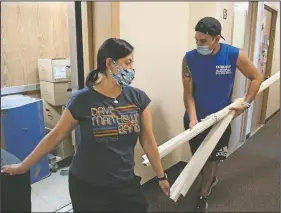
249	180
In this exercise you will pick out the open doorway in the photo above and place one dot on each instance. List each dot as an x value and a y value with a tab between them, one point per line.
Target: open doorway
248	18
270	28
265	60
241	15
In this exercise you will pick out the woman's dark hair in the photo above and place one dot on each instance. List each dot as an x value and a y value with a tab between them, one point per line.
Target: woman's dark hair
112	48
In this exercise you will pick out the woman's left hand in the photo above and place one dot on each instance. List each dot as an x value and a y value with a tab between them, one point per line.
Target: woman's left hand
165	186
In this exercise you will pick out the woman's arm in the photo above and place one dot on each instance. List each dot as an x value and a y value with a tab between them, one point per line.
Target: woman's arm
150	148
65	125
149	144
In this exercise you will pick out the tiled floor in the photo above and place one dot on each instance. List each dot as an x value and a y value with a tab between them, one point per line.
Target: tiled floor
67	208
50	194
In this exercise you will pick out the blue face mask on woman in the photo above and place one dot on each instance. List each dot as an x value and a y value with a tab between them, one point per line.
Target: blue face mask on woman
124	77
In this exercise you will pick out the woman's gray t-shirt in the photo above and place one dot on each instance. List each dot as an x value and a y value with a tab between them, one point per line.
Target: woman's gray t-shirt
109	133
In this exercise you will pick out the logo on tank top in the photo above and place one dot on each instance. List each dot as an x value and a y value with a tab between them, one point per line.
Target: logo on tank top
223	70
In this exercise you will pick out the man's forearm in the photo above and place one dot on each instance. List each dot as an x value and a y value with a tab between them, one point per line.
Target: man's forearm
189	104
252	90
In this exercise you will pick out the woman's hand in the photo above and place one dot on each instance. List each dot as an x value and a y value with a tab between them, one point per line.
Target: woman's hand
165	186
15	169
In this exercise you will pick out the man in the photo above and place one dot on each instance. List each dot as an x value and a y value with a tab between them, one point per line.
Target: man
208	77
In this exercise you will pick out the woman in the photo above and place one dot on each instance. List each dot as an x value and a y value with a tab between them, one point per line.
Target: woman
112	115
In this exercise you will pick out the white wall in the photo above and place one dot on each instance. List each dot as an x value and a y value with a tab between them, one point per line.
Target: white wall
159	33
238	40
239	26
225	23
198	10
274	91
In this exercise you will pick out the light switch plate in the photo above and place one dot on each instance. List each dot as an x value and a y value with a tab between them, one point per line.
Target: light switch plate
224	13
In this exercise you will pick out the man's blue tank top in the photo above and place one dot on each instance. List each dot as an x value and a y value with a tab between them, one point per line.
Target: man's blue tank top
213	79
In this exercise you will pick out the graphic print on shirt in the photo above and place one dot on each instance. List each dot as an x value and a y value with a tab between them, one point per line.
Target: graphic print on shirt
109	122
223	70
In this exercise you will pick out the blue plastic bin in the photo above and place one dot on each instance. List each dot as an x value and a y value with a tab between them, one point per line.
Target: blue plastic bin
22	129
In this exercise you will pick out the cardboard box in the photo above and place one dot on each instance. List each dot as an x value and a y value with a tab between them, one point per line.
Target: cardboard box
56	94
54	70
52	114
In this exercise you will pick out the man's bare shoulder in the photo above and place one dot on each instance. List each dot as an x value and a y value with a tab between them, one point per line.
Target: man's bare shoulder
185	68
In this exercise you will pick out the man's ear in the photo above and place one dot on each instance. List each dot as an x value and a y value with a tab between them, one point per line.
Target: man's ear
218	38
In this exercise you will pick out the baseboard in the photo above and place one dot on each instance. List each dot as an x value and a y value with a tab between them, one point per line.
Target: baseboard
266	121
273	115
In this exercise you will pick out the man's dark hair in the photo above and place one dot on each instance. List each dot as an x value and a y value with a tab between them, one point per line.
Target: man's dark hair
209	26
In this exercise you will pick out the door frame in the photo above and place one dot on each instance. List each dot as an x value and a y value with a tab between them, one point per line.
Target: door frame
254	23
249	47
107	15
269	59
86	36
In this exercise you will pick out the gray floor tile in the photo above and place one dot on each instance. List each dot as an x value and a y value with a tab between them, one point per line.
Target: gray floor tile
53	191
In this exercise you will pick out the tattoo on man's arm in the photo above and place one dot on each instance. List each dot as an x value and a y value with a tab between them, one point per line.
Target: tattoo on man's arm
185	68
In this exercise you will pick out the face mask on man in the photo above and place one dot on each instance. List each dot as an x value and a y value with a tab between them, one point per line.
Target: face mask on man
204	50
124	77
